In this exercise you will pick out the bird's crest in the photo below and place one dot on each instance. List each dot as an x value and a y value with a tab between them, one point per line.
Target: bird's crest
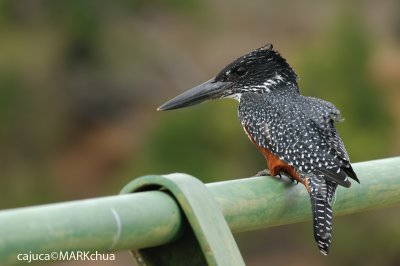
268	46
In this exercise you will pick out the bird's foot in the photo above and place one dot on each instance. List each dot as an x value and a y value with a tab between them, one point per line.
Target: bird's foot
291	178
294	179
267	172
264	172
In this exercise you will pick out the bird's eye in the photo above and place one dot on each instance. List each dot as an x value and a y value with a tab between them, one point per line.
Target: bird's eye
241	71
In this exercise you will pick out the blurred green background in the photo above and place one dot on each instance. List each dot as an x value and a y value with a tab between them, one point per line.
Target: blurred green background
80	82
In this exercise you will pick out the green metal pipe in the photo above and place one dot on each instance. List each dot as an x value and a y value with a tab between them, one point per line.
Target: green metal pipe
152	218
121	222
261	202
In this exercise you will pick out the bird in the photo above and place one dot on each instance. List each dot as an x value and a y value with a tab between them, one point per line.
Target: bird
296	134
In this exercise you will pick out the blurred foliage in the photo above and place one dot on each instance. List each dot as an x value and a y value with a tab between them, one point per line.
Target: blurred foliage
206	141
337	70
207	145
80	82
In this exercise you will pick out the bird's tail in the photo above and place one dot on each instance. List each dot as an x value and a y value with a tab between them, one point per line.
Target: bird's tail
321	194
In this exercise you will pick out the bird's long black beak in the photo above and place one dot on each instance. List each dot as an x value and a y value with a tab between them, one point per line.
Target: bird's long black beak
206	91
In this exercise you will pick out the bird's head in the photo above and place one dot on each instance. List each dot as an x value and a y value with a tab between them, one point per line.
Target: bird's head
260	71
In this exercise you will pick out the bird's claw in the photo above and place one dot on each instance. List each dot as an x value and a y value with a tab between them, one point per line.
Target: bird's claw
294	180
290	177
264	172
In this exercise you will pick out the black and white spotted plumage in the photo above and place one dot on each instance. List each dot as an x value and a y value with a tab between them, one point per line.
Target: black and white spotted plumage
300	131
296	132
322	192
